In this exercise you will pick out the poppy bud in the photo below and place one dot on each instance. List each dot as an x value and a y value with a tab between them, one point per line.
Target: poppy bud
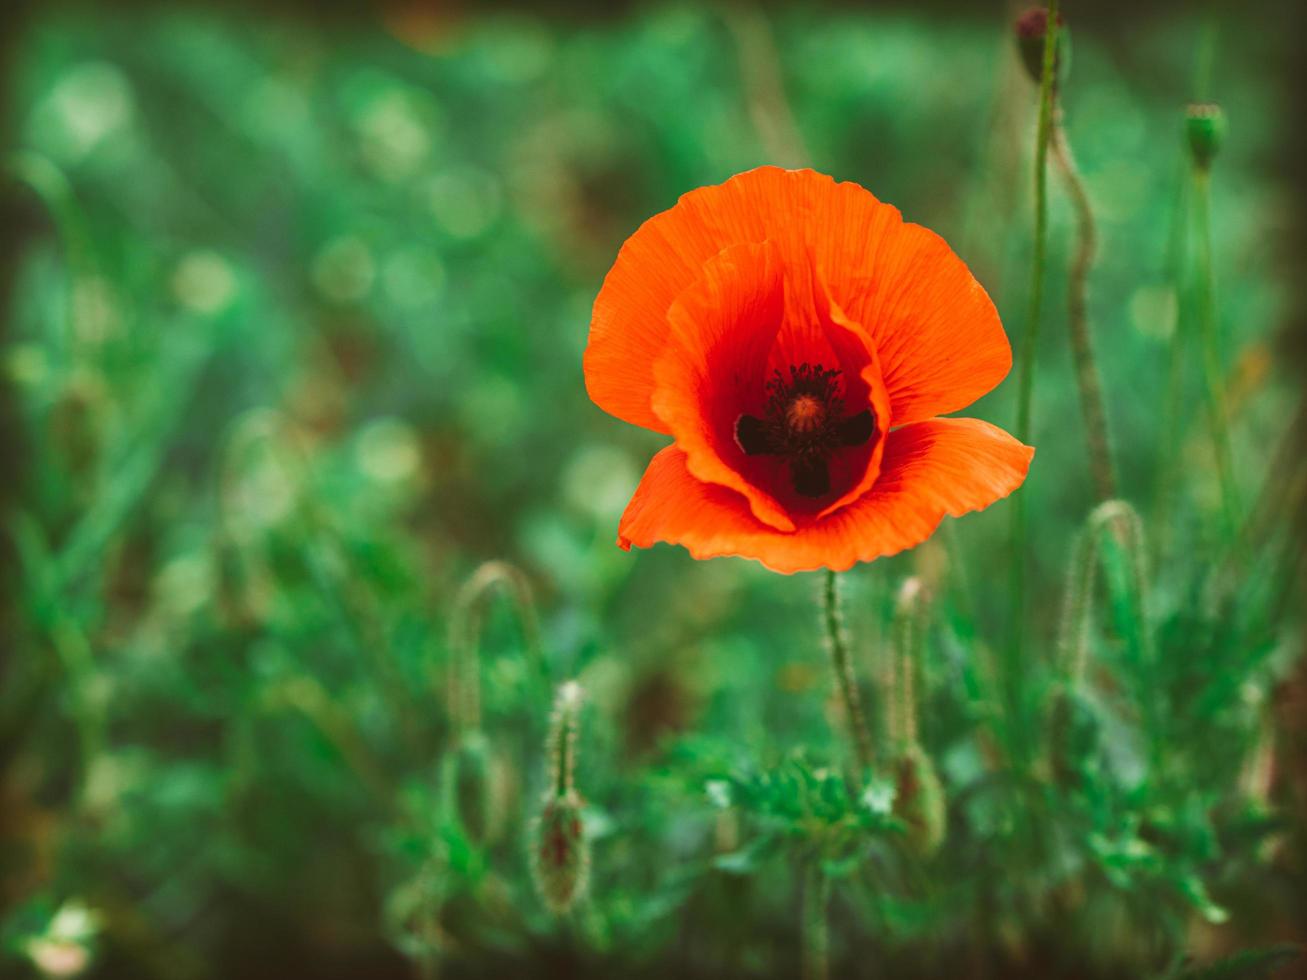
560	853
1030	30
919	800
1204	127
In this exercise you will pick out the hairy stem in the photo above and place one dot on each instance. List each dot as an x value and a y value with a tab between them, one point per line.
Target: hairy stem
842	666
562	738
1087	376
906	630
464	687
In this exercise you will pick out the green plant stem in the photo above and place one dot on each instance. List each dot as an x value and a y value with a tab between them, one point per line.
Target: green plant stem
1213	376
1087	377
815	925
51	186
68	641
842	666
307	696
1029	343
1168	452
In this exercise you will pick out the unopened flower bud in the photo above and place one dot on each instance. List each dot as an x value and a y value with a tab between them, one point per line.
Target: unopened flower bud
1031	27
919	800
1204	127
560	853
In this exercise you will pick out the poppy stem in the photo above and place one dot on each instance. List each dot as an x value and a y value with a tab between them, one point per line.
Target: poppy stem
906	629
1047	96
1029	342
1213	378
1087	376
465	621
842	666
562	738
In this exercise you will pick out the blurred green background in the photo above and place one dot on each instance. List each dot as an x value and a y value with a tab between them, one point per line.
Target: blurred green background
293	344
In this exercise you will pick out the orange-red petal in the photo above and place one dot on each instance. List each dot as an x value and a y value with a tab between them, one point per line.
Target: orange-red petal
940	342
722	330
930	469
747	317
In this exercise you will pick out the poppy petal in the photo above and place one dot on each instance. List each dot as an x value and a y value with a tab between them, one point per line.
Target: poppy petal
864	384
748	318
713	368
939	337
940	341
656	264
930	469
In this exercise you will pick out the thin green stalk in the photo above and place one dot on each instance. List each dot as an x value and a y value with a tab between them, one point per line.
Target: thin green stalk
1029	343
1164	488
815	925
1026	383
306	695
68	641
1087	377
1213	375
842	666
49	184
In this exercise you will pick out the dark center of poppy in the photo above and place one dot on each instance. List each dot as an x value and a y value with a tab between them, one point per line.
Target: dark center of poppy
804	423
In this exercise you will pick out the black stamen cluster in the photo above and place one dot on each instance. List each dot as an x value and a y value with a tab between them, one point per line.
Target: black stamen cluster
806	448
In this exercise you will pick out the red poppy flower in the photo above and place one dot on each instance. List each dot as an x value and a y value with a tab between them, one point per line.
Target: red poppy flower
797	339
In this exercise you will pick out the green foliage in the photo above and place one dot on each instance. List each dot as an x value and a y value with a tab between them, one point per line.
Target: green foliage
294	351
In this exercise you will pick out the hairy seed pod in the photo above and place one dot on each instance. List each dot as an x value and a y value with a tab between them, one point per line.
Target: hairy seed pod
919	800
